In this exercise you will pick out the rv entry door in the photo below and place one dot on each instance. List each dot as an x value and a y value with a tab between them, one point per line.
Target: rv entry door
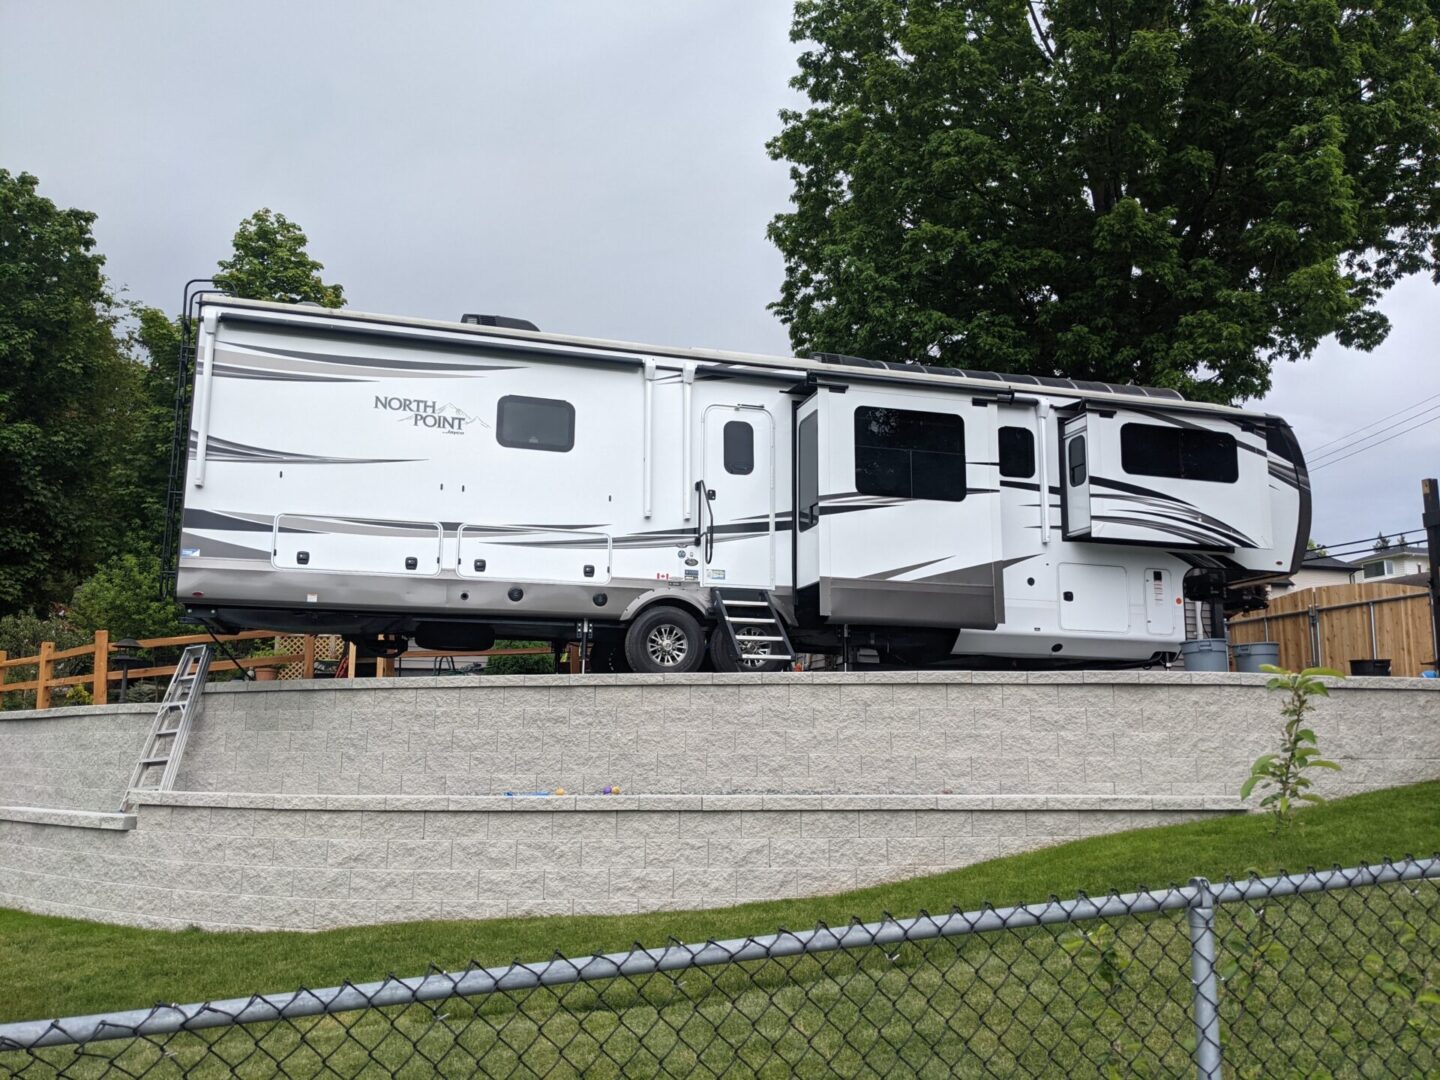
737	507
805	534
1075	477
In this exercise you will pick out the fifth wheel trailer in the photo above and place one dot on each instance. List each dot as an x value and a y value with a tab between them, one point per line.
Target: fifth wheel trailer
388	478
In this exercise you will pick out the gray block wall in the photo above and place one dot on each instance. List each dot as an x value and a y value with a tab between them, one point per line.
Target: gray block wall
1095	733
301	869
305	806
76	758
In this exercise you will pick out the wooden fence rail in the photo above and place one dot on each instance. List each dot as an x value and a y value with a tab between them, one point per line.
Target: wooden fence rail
103	675
1331	625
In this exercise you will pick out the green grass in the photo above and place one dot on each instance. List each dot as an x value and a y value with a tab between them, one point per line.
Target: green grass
65	967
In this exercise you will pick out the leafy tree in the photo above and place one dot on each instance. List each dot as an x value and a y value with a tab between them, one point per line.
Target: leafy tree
65	391
1175	193
270	263
139	483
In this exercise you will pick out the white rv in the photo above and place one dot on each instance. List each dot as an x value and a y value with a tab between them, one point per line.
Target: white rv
390	478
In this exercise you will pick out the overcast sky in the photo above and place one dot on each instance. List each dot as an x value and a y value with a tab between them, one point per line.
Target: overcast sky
597	166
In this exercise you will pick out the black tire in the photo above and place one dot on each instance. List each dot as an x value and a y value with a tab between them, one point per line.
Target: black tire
724	658
607	657
665	640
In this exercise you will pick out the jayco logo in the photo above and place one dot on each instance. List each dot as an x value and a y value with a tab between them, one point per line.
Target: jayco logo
423	412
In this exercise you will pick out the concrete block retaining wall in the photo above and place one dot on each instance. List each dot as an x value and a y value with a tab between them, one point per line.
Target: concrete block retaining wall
77	758
314	805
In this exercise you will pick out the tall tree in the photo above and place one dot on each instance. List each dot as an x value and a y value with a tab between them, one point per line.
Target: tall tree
1174	192
65	389
270	263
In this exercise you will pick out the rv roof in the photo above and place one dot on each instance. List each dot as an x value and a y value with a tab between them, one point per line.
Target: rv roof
826	363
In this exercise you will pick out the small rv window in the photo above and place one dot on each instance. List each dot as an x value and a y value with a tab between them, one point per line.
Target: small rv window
739	448
528	423
909	455
1017	452
807	500
1075	453
1179	453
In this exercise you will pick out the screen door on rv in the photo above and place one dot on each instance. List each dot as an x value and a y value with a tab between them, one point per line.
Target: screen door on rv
738	500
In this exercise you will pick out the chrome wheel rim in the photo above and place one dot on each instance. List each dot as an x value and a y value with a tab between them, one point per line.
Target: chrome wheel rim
667	645
753	654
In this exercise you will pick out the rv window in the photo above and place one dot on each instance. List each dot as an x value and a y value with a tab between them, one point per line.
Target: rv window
1017	452
1179	453
739	448
909	455
528	423
807	502
1076	456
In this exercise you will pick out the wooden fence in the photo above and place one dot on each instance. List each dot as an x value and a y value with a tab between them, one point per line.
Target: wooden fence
1331	625
102	676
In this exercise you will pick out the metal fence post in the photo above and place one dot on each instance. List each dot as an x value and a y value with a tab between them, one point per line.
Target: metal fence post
1206	984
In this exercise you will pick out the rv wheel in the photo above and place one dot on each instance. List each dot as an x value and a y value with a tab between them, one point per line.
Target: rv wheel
754	654
665	639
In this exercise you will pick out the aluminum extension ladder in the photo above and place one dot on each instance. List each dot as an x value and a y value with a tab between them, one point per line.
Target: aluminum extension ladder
164	746
748	616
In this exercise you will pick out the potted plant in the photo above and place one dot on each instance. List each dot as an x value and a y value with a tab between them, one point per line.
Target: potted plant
265	674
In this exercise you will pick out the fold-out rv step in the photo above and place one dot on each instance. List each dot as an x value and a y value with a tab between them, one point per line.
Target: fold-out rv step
749	621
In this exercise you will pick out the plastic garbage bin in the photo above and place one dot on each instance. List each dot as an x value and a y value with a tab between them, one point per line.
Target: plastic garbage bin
1205	654
1369	667
1249	656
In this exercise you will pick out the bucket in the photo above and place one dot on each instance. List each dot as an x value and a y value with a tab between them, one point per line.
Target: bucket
1369	667
1249	656
1205	654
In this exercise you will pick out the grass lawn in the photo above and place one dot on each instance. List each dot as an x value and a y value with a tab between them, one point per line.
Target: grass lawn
65	967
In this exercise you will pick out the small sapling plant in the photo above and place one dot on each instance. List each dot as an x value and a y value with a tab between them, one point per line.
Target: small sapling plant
1282	775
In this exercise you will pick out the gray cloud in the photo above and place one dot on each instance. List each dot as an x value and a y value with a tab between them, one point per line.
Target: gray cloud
595	166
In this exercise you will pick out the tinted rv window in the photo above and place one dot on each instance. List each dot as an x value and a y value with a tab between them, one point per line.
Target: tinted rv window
739	448
909	455
1076	460
529	423
1179	453
807	501
1017	452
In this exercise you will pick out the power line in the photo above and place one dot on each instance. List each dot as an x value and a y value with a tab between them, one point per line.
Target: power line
1355	547
1382	442
1319	459
1373	423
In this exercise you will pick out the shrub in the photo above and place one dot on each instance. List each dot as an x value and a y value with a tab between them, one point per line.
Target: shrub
539	664
1282	774
124	596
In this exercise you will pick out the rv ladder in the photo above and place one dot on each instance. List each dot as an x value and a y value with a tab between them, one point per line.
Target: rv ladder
164	746
747	616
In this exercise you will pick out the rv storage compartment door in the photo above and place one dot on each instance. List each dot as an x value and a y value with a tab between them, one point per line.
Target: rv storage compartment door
910	516
1094	598
1182	479
520	553
357	545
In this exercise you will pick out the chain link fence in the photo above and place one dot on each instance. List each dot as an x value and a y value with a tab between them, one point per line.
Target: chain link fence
1322	974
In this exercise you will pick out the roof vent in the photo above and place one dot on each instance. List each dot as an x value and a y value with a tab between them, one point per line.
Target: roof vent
505	322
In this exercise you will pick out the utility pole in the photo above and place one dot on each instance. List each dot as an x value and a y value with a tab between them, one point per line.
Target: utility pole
1431	521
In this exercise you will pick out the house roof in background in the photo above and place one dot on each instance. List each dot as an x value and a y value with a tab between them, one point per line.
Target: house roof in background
1390	553
1327	562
